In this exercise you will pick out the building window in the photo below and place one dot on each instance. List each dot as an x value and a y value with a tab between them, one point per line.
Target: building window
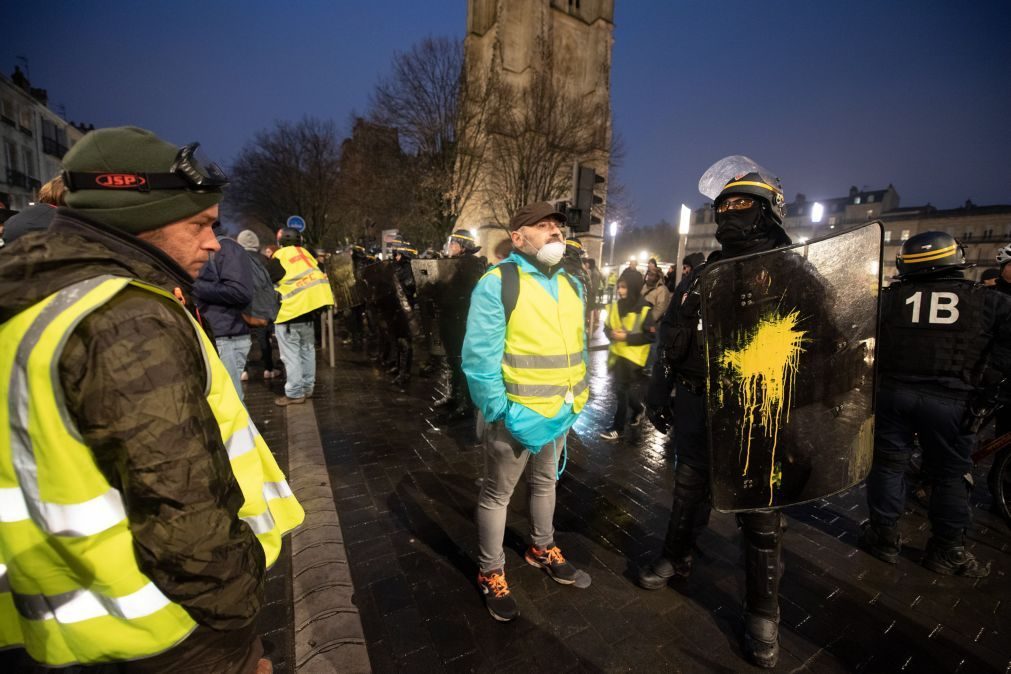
30	169
888	235
905	235
26	120
870	198
8	111
856	200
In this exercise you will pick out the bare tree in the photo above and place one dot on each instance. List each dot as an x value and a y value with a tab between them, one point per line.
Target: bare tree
426	98
535	134
290	169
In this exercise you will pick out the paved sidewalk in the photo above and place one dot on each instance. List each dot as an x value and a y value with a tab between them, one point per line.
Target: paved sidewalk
405	491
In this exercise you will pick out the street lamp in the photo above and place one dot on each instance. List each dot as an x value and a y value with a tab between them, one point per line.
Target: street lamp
614	232
684	222
643	256
817	212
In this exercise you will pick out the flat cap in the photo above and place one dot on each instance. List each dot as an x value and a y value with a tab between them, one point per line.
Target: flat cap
533	213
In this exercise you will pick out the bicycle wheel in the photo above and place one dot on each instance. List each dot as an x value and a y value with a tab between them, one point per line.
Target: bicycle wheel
999	481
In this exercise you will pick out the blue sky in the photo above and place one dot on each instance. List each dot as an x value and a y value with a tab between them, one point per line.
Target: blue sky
826	94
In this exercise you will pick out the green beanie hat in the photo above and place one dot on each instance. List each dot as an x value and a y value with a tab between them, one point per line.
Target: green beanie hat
128	149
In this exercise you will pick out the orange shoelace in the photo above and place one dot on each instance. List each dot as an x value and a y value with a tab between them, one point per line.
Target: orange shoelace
497	584
554	555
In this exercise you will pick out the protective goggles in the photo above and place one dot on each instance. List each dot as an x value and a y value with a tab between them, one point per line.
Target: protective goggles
188	172
734	204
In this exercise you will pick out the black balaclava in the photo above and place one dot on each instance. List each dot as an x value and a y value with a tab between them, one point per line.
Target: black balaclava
744	232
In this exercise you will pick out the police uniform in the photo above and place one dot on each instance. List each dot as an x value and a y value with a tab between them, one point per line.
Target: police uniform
939	337
754	228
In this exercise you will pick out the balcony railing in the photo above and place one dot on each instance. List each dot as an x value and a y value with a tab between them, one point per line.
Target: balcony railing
53	147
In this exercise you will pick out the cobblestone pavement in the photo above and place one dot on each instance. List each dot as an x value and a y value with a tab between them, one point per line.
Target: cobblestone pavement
406	490
275	623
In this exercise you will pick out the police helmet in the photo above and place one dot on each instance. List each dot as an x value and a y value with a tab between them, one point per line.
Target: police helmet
1004	255
286	236
400	245
929	253
738	174
574	247
465	240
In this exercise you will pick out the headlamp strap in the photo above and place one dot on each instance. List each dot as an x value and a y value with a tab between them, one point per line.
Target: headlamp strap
130	181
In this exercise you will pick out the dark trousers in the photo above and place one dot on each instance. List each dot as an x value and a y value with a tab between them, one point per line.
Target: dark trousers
262	338
902	413
762	531
627	380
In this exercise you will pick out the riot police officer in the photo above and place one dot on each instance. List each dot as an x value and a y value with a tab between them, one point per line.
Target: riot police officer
749	213
403	253
941	338
454	304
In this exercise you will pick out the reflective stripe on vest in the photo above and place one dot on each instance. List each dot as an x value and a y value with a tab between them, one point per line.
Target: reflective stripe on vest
304	287
631	323
542	363
70	587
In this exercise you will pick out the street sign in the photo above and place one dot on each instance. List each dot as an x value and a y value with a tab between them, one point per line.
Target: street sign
296	222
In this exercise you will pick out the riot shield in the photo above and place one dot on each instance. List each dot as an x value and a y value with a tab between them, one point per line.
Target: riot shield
789	342
432	279
346	292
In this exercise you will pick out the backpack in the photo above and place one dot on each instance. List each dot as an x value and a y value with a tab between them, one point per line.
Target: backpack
266	302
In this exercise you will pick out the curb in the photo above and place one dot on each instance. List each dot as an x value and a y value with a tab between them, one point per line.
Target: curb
328	627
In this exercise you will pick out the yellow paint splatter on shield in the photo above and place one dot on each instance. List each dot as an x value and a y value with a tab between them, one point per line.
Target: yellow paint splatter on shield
764	371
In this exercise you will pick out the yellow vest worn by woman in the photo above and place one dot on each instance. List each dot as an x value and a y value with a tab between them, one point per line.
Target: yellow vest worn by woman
542	363
304	287
632	324
70	587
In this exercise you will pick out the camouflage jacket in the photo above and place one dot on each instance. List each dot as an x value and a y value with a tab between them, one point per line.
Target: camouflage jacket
133	379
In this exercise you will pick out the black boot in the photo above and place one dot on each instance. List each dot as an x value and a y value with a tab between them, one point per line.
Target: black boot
689	516
763	568
881	541
761	640
950	558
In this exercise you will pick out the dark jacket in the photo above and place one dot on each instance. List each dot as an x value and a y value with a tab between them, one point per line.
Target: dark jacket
133	378
266	301
224	289
33	218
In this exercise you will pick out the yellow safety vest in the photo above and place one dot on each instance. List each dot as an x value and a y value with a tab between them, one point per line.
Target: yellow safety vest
632	324
70	587
304	287
542	363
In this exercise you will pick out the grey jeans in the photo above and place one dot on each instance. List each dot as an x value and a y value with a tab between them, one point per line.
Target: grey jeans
504	463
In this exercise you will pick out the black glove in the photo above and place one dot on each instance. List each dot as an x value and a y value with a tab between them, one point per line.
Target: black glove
660	416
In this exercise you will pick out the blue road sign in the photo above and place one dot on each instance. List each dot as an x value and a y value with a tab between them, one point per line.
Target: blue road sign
296	222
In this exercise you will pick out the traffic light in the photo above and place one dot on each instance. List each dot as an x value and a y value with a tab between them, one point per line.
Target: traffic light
588	197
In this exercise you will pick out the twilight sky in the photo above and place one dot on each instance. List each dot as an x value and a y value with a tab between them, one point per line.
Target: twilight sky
826	94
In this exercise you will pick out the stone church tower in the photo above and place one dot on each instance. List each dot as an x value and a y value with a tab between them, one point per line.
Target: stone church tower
506	40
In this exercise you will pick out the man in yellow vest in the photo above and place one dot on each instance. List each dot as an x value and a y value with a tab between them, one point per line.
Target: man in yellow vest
304	291
525	358
139	506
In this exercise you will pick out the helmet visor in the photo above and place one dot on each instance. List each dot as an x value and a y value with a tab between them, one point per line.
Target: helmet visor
730	168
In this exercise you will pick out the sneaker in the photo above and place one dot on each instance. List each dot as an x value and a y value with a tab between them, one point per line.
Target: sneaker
284	401
551	560
244	376
880	541
497	599
954	561
610	435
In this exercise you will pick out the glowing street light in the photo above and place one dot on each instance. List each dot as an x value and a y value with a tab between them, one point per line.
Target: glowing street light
685	220
614	232
817	212
643	256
